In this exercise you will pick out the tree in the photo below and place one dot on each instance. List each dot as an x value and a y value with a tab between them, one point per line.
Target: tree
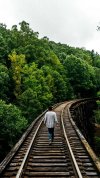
81	75
57	83
97	111
4	82
17	62
4	34
29	104
12	123
35	93
26	30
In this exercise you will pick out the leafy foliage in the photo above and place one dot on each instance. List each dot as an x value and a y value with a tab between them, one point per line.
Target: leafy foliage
17	61
81	75
4	82
97	147
12	123
97	111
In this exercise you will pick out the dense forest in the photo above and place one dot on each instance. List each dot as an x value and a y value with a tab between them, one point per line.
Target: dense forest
36	73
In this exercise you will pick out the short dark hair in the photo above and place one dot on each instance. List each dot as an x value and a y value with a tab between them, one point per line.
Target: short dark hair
50	108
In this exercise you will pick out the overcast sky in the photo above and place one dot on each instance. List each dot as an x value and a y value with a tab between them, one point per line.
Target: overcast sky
72	22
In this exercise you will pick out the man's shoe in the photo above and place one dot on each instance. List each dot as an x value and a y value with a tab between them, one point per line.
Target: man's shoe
52	139
50	142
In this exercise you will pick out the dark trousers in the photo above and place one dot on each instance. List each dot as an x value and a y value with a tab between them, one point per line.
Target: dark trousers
51	133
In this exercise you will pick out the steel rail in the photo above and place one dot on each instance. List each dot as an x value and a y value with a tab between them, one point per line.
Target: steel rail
70	150
85	143
23	164
17	146
20	171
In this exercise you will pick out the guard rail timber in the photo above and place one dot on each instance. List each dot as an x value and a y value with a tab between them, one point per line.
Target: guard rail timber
92	154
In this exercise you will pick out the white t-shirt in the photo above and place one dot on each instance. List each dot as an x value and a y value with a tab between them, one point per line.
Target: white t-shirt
50	119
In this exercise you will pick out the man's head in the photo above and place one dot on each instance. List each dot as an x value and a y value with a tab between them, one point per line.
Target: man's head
50	108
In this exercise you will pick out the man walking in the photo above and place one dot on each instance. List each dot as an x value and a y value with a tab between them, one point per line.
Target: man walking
50	119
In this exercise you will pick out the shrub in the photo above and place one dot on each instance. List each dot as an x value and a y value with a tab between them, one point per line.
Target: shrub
12	123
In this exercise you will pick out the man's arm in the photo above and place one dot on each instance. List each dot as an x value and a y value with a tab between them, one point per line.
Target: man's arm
56	120
45	118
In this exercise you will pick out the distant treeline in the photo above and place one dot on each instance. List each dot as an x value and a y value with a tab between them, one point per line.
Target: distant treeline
36	73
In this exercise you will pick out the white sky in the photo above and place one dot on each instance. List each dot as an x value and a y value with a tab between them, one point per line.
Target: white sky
72	22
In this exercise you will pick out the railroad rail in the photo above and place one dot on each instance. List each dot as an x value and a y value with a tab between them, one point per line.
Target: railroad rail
68	156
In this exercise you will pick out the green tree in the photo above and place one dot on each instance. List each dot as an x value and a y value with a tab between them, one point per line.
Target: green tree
4	35
35	93
81	75
4	82
12	123
57	83
17	62
29	104
97	111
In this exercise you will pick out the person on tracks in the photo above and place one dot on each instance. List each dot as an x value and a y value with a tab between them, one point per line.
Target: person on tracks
50	119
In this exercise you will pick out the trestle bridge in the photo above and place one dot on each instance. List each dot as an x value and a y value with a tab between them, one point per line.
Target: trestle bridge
68	156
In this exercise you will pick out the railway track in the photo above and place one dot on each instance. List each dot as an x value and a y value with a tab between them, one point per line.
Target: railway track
65	157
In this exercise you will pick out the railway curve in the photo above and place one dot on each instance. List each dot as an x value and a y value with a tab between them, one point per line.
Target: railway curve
68	156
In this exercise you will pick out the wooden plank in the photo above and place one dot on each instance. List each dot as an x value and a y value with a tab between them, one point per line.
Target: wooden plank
48	164
49	157
48	168
46	160
47	173
91	174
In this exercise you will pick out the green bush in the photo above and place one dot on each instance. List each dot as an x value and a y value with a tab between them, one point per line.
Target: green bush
12	123
97	111
97	116
97	145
